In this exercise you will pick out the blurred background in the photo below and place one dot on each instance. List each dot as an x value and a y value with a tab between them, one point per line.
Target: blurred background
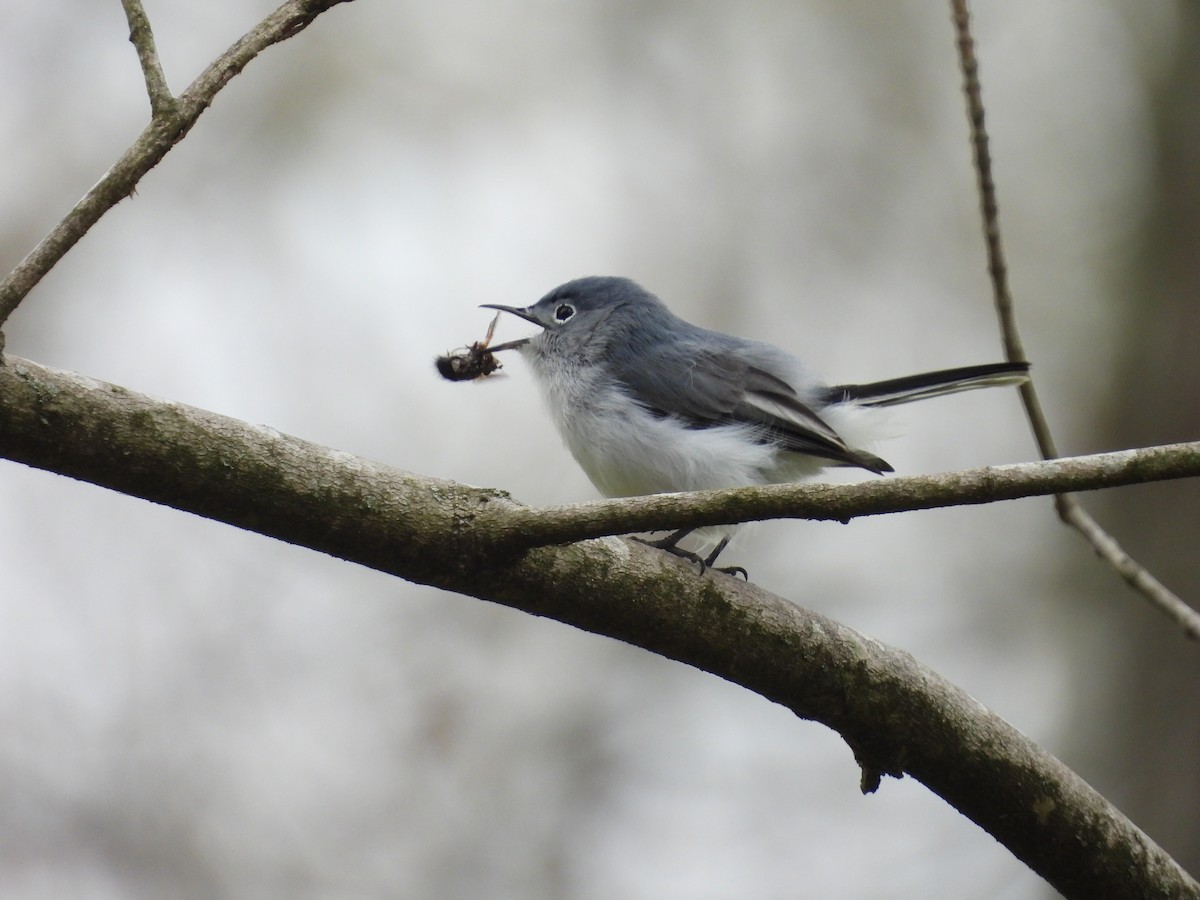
189	710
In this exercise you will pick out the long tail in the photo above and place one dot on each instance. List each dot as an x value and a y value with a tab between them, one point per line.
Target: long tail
928	384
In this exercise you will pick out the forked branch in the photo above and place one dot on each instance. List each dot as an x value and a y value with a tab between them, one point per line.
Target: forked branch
171	120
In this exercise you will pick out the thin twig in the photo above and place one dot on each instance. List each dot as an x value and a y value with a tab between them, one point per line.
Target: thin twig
526	527
163	133
142	37
1069	509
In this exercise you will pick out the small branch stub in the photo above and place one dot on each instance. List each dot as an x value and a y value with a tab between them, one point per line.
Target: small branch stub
162	103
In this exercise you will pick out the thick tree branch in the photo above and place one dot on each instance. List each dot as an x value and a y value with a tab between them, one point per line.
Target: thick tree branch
1070	511
897	716
170	123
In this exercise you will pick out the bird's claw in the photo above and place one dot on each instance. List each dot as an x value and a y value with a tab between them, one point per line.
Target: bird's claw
670	544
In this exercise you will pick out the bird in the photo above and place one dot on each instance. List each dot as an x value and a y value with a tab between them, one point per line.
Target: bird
648	403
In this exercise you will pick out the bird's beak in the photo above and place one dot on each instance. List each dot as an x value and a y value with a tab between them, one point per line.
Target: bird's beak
522	313
509	345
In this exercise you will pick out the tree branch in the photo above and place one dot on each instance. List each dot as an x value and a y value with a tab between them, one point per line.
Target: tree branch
1070	511
897	716
168	127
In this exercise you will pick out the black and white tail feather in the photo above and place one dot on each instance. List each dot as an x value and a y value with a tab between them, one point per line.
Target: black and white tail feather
895	391
910	388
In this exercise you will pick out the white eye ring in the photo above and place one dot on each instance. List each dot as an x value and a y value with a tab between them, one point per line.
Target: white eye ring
563	312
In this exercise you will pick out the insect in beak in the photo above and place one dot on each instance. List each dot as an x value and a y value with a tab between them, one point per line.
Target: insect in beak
476	361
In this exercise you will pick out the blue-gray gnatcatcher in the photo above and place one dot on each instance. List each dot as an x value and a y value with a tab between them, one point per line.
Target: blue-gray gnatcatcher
649	403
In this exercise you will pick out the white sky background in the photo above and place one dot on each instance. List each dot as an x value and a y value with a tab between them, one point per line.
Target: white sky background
190	710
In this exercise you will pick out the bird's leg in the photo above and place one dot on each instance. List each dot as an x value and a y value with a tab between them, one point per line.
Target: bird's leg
670	544
728	570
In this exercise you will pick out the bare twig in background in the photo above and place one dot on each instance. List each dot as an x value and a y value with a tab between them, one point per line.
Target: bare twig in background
171	120
142	38
1069	509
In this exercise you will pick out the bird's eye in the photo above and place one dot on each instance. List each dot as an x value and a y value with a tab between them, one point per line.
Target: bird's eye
564	311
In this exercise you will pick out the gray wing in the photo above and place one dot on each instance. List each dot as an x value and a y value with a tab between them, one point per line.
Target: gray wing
712	386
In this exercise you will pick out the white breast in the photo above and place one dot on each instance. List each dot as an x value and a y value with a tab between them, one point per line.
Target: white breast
627	451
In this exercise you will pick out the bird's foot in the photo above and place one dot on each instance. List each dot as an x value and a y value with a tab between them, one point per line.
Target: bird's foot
670	544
